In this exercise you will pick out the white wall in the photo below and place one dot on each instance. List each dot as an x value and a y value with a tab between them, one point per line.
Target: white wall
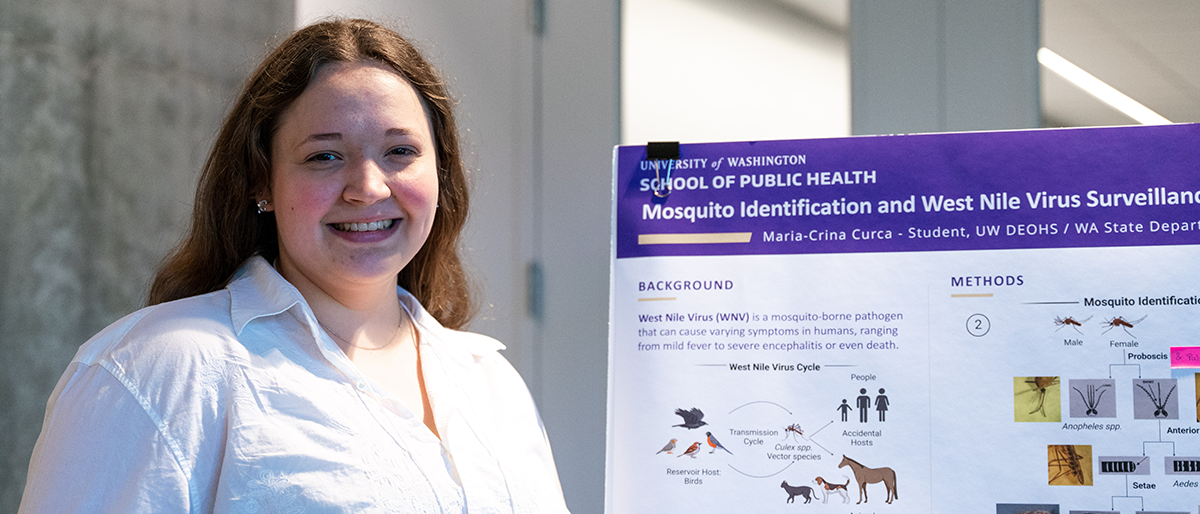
944	65
731	70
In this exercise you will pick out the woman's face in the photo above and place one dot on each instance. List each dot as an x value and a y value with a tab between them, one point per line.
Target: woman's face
353	178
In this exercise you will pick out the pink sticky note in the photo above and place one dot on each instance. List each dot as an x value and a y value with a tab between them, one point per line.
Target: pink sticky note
1185	357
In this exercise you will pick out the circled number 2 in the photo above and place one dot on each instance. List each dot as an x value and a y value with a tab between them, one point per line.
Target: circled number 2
978	325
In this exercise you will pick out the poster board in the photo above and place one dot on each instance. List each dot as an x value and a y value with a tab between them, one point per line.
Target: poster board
970	322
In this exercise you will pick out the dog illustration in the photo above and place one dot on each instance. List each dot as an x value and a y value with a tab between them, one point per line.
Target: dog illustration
792	491
829	488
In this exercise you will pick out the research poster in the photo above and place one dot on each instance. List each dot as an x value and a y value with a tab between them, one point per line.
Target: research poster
1002	322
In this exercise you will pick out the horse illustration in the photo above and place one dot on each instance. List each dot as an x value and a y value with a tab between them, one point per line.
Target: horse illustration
864	475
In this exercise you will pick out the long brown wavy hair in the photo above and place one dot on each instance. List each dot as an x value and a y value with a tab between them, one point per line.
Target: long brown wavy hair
226	228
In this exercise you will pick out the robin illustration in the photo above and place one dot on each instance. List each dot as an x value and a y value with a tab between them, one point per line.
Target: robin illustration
670	446
712	441
692	450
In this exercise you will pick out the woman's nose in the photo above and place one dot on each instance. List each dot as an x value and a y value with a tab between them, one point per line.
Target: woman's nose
366	182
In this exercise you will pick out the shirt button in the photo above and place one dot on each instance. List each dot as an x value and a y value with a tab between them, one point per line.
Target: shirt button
361	384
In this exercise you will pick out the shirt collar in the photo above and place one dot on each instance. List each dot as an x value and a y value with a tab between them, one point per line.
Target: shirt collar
257	290
477	345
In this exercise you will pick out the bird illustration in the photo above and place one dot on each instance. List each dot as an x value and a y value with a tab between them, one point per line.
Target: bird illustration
712	441
670	446
692	450
691	418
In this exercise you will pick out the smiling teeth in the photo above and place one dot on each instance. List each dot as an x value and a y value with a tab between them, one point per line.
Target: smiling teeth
364	227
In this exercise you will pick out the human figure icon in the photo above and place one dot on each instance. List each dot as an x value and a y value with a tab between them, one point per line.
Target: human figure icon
864	405
845	408
881	404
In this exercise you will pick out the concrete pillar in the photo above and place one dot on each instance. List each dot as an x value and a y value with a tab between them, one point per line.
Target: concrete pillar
943	65
107	110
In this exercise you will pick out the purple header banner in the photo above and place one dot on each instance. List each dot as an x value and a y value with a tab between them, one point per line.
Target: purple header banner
1060	188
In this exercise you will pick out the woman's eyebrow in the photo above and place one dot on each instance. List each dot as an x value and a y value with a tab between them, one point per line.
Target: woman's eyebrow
337	136
399	132
331	136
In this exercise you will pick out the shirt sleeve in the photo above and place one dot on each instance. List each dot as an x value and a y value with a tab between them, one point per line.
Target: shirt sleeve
101	451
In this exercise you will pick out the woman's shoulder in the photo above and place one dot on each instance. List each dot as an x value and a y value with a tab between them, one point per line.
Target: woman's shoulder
148	391
189	326
196	328
476	344
180	360
476	362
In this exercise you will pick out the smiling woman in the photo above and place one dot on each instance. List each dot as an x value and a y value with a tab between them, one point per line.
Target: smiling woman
279	367
353	180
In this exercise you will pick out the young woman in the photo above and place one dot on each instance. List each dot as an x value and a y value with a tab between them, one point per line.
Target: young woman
301	351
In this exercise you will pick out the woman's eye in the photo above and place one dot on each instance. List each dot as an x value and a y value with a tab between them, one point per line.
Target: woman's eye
402	151
322	157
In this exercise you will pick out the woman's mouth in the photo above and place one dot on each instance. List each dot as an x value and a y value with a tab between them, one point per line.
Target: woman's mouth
363	227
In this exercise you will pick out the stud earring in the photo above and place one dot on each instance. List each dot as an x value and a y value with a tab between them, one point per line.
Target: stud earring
262	206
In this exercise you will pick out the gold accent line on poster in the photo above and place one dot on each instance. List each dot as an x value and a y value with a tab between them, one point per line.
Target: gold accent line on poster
688	239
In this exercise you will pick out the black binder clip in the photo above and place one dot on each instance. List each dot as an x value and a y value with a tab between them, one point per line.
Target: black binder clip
658	152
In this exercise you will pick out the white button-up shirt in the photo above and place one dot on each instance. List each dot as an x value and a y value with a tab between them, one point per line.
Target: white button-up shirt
238	401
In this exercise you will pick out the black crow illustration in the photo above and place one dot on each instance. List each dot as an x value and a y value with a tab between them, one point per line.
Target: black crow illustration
691	418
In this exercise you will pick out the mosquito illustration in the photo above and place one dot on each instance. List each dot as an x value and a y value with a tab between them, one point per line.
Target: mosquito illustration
1067	462
1123	323
1039	385
1159	401
1094	394
1069	321
793	430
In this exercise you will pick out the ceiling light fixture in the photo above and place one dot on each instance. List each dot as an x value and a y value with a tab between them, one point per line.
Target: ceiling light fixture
1099	89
